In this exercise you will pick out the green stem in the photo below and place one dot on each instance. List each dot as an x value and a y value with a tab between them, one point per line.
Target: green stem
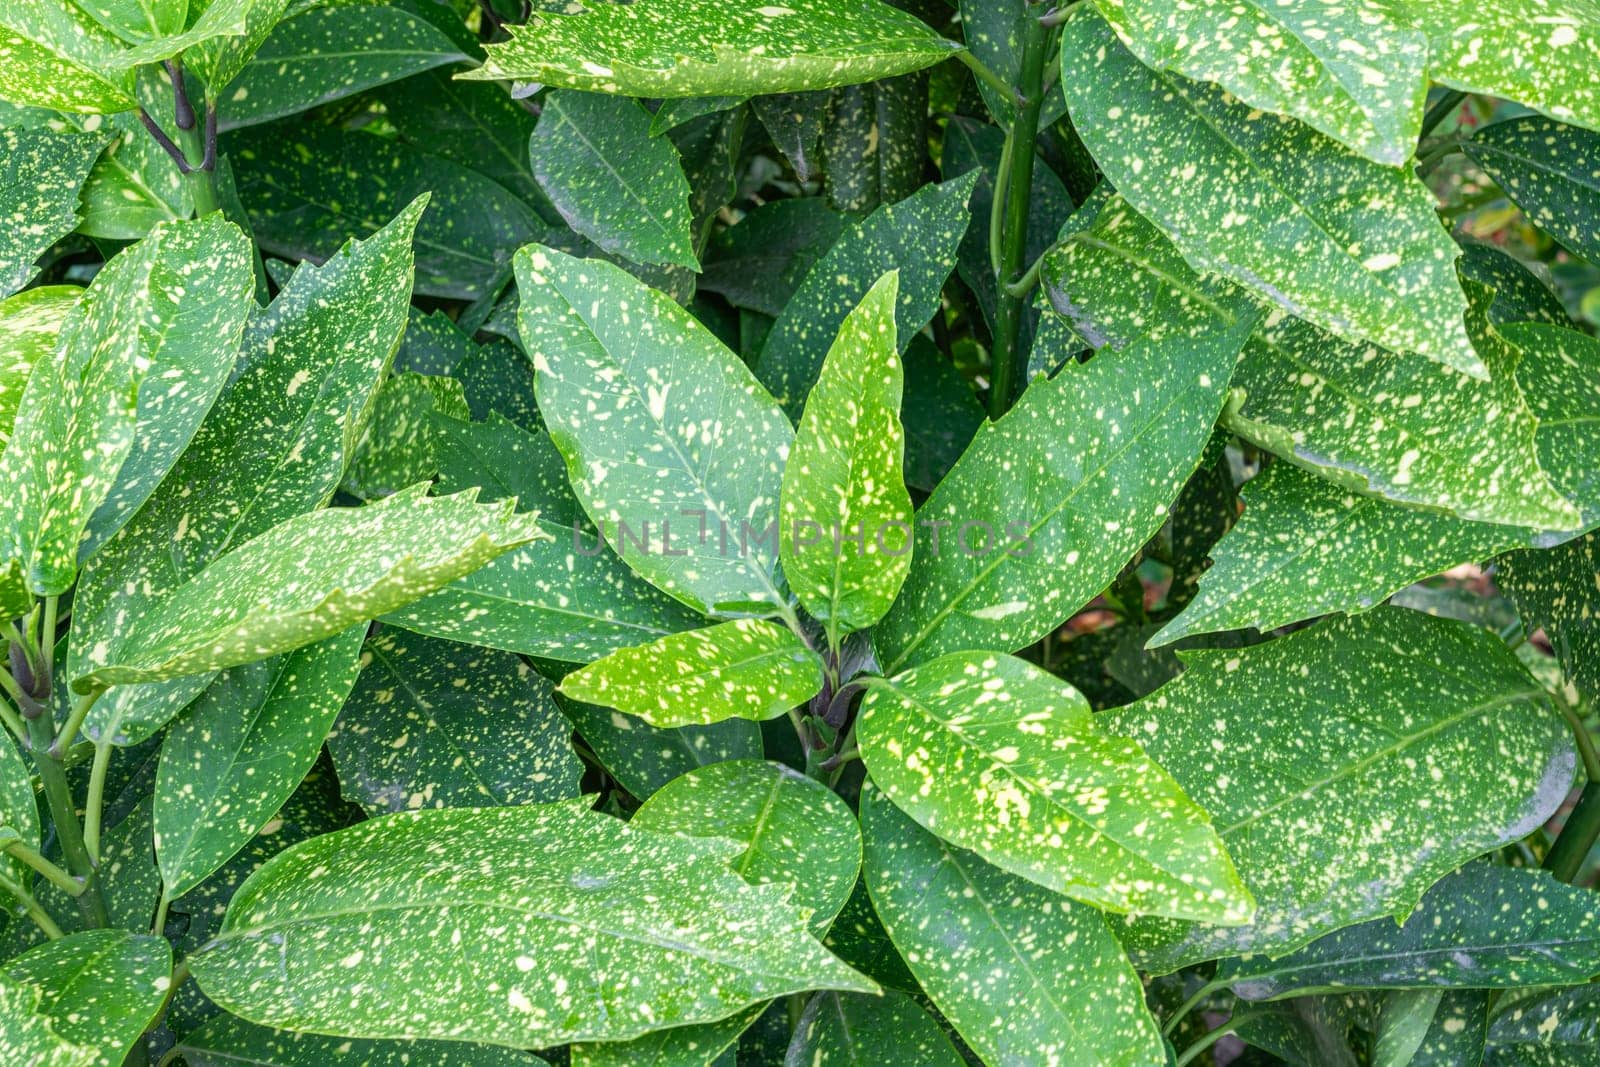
1429	160
74	723
40	917
1189	1005
54	875
94	804
989	77
53	776
47	638
199	145
1015	186
1025	285
1584	740
1206	1042
1577	837
1448	104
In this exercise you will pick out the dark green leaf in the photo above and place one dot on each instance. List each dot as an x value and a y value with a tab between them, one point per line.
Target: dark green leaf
1549	1028
644	758
848	1028
1558	589
228	1041
875	142
398	448
1549	170
761	262
794	121
940	412
476	125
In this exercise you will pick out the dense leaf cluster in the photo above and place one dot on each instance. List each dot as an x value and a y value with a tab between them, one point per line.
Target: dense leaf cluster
699	532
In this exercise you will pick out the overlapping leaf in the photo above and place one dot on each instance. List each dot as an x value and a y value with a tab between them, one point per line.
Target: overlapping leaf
849	1028
993	755
30	1036
30	322
1346	243
99	990
1546	1028
1347	768
1022	974
55	56
1549	170
735	49
541	924
398	447
38	193
747	668
227	1040
644	758
19	811
133	186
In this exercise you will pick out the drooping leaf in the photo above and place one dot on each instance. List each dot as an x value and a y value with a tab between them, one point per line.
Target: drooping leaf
846	537
227	1041
1048	504
436	724
795	830
1023	975
398	448
240	750
1548	170
55	56
849	1028
1354	72
794	121
99	989
328	53
612	181
302	209
682	474
306	579
918	237
1351	245
644	758
747	669
39	193
1347	768
274	446
994	755
1547	1028
760	262
735	50
30	322
875	143
541	924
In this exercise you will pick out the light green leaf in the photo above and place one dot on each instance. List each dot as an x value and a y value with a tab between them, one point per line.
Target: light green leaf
1484	927
305	579
1351	245
1549	171
228	1041
100	989
39	193
917	237
796	831
848	1028
994	755
239	752
668	48
611	180
1047	505
275	445
440	725
76	423
29	1035
30	322
846	537
1022	974
643	758
222	36
747	669
329	53
398	448
1347	768
1354	72
137	20
542	924
53	55
19	811
1403	1020
672	447
133	187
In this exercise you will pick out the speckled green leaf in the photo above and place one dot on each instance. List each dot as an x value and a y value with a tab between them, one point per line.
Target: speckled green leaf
1559	589
845	476
679	1046
1347	243
848	1028
1458	1030
568	598
300	208
1022	974
275	445
996	756
100	989
875	144
38	193
1049	503
76	422
30	322
475	124
664	431
398	448
794	121
1352	71
667	48
1483	927
222	36
435	724
29	1036
305	579
795	830
19	811
137	20
1546	1028
133	186
1308	1032
53	55
1348	767
918	237
747	669
1551	171
611	180
240	750
228	1041
329	53
541	924
644	758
